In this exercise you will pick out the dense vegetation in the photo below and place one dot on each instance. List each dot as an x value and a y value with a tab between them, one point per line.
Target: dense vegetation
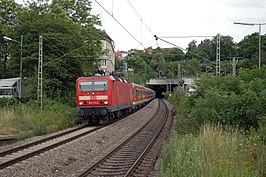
199	58
231	101
71	46
71	43
27	120
221	127
214	151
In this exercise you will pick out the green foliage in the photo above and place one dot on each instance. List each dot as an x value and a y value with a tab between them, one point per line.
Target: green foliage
191	68
216	151
249	45
9	11
182	157
173	54
137	63
192	50
7	101
119	65
71	43
238	101
28	120
206	50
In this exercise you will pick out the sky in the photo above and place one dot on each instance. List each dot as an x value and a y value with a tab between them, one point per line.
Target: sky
176	18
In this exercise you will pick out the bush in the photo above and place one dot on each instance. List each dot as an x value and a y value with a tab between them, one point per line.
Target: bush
28	120
233	101
215	151
7	101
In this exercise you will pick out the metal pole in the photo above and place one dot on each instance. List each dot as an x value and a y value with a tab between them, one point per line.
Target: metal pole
252	24
234	66
40	71
259	44
179	71
20	70
218	59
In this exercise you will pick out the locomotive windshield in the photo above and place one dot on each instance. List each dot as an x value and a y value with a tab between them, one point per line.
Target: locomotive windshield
92	85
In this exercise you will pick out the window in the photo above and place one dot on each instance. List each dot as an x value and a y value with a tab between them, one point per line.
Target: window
103	62
6	92
85	86
100	85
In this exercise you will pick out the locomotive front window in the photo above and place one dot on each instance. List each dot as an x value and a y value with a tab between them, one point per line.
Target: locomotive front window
100	85
86	86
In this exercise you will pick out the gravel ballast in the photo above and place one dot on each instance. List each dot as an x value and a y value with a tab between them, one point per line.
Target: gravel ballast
74	157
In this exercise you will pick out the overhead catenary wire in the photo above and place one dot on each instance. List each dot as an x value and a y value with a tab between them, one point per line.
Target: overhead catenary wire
156	37
183	36
119	23
66	54
142	21
140	17
54	45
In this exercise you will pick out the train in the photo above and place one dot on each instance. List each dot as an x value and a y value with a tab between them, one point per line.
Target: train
101	99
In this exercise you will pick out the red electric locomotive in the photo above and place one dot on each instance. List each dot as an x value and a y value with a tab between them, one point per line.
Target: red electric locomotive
100	99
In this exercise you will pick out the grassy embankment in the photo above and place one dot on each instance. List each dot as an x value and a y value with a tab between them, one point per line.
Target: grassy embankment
28	120
220	129
214	152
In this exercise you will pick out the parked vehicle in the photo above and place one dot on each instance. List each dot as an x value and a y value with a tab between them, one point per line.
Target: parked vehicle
10	88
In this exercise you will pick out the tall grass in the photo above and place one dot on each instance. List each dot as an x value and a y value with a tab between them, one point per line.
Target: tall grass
215	151
28	120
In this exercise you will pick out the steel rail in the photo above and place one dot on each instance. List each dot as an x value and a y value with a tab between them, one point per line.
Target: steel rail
25	146
32	153
131	169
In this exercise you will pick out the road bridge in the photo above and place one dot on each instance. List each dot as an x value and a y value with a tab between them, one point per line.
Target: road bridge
161	85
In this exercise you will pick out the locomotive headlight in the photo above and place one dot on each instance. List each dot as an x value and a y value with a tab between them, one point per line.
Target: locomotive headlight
106	102
80	103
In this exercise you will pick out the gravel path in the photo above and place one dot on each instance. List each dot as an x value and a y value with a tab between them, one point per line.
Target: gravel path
72	158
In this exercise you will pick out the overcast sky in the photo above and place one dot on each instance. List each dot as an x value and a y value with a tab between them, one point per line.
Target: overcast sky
178	18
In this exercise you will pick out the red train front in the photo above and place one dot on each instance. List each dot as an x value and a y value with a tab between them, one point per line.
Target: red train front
101	98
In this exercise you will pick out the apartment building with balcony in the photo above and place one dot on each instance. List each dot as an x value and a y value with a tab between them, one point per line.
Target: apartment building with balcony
107	60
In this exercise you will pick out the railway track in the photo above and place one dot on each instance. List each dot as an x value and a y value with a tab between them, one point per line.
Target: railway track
126	158
20	153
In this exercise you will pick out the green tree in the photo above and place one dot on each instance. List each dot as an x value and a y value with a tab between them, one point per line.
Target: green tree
248	49
192	50
78	11
248	46
9	11
205	49
70	47
138	64
173	54
237	101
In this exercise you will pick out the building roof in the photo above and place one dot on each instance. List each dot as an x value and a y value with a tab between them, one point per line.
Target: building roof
11	82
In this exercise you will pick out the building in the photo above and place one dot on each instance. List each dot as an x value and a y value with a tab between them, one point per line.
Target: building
107	60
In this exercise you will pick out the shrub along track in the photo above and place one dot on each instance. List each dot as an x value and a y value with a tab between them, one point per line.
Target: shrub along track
20	153
135	155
